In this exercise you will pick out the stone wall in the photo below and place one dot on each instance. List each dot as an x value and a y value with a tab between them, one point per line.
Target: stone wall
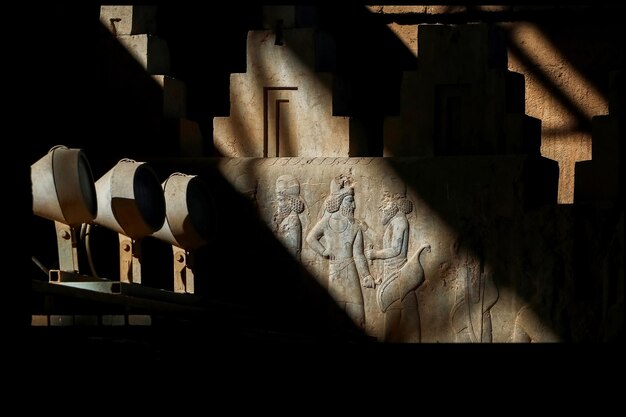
565	68
437	243
466	223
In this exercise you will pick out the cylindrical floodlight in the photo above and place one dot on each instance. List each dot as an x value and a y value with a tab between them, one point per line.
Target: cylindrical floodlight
189	212
63	187
130	199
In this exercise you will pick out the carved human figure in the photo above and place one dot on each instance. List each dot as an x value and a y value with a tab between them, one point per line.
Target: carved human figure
343	238
396	293
475	295
289	205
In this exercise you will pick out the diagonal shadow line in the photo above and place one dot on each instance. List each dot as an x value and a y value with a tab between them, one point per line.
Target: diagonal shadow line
449	220
456	225
491	258
583	123
544	19
256	298
260	274
192	34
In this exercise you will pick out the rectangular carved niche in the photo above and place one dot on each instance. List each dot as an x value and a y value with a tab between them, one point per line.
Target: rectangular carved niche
452	125
279	122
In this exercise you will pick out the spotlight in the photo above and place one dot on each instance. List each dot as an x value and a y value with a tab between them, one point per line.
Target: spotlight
131	203
188	224
63	191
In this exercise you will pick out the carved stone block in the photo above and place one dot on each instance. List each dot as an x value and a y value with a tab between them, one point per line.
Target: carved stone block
281	106
128	20
461	100
406	258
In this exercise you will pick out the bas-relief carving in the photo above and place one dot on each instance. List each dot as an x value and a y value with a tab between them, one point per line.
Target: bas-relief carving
286	221
344	248
396	292
335	249
474	296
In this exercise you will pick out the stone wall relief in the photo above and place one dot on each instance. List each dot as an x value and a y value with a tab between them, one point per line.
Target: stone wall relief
343	247
396	289
475	294
286	220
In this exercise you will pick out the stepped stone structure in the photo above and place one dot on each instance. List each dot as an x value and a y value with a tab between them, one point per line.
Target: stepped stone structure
281	106
134	28
461	99
407	259
451	234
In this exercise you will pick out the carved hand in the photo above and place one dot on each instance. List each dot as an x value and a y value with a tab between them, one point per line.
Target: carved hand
370	254
326	254
368	282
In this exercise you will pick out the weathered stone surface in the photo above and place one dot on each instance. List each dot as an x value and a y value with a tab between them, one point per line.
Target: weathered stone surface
129	20
174	96
281	106
407	258
559	91
548	72
461	99
151	52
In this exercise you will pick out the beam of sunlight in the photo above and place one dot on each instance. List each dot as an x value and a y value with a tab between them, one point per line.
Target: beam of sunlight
407	34
465	279
281	109
281	106
470	291
566	116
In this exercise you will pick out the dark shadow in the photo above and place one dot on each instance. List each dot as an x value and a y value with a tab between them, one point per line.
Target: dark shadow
256	281
588	38
204	51
368	71
115	111
244	266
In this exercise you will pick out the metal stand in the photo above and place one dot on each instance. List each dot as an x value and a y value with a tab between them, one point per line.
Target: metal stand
66	243
183	270
130	259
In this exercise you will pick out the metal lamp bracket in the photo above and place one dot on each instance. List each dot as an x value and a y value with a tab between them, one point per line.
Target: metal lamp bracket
183	270
130	259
